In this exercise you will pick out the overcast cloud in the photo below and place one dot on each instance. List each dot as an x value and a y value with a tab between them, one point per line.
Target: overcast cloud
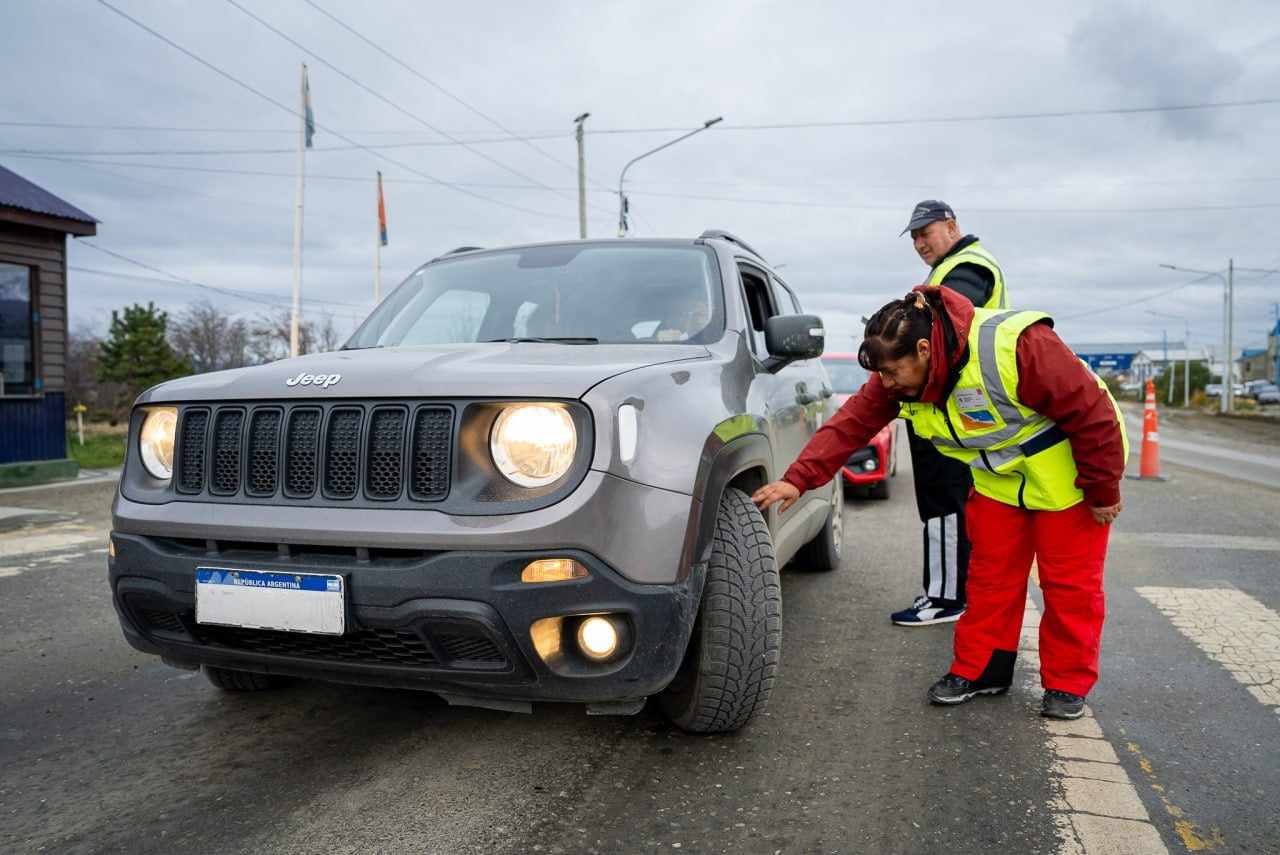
1054	198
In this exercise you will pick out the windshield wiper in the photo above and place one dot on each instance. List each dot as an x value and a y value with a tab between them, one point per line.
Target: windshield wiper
560	340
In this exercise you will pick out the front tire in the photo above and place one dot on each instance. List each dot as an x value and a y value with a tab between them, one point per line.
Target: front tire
729	667
880	489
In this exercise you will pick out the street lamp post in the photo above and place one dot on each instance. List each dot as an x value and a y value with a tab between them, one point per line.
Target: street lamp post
582	178
1228	282
1186	354
622	199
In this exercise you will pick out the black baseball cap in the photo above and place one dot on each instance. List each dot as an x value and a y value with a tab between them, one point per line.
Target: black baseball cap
928	211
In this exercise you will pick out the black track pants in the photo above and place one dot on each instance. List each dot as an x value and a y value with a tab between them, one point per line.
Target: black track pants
942	488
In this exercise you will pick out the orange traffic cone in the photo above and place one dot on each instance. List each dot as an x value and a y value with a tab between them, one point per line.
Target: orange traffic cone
1149	469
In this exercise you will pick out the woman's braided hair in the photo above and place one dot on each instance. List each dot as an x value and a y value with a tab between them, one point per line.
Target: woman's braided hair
893	331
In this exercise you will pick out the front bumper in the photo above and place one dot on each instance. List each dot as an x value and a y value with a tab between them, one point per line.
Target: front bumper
855	475
454	622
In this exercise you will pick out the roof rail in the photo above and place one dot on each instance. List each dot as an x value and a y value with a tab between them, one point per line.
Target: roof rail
721	234
455	251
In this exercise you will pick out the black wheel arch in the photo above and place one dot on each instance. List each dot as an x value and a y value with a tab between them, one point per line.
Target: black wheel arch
745	462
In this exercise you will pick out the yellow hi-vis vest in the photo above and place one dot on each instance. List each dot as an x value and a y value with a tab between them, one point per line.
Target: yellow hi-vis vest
974	253
1017	456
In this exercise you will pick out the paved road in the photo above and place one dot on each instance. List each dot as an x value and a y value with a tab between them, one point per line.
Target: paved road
1190	442
105	750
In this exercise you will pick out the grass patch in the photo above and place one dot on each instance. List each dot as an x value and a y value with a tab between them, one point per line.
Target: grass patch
103	451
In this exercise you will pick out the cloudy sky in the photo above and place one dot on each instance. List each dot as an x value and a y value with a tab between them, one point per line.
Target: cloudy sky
191	173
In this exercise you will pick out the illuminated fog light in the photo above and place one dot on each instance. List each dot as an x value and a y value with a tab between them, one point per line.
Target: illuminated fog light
869	465
597	638
155	441
111	547
533	444
553	570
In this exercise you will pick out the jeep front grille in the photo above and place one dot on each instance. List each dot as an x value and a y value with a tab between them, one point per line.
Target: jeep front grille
334	453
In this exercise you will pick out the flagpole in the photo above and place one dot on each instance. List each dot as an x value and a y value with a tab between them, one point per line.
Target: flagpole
377	248
297	216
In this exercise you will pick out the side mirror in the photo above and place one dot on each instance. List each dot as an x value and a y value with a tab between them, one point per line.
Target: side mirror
792	337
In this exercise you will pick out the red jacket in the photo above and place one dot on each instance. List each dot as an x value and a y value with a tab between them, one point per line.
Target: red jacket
1051	380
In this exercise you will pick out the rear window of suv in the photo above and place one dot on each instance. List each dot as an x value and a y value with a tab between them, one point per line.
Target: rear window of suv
615	294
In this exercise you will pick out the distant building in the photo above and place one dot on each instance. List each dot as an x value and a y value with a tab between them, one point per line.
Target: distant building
34	225
1255	363
1114	358
1152	363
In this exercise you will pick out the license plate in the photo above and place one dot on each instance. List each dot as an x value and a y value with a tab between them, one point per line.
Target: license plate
294	602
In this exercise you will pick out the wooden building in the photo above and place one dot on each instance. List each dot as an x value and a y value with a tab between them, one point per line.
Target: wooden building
34	225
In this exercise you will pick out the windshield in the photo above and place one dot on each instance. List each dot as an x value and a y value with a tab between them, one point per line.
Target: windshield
613	294
847	376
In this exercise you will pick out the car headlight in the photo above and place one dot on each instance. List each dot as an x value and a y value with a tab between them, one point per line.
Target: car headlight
155	441
533	444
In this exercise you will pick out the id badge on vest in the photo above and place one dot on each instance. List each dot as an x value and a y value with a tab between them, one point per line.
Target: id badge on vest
975	408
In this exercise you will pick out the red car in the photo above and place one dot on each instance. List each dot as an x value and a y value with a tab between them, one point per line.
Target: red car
873	465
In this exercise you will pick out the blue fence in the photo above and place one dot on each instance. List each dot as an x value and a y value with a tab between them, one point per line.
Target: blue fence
33	428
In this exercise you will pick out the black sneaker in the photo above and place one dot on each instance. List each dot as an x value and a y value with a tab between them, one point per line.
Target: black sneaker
1063	705
953	689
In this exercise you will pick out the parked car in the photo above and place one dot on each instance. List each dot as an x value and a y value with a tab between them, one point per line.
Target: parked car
526	477
1214	390
871	467
1267	394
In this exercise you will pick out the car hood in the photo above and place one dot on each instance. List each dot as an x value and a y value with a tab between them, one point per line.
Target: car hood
524	370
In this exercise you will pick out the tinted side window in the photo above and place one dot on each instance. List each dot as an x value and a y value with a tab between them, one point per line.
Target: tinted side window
760	307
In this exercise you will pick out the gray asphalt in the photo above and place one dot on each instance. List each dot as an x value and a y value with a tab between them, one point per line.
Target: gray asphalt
105	750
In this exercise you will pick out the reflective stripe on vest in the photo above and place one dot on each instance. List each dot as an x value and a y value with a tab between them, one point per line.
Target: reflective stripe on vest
1017	455
975	253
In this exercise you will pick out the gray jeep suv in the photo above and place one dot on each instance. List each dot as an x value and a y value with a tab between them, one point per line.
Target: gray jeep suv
524	478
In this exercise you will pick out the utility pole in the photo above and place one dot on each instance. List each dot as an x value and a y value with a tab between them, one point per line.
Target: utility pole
1164	334
1228	388
1228	282
582	178
1186	365
297	217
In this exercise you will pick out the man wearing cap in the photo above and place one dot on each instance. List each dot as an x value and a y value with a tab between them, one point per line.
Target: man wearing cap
958	262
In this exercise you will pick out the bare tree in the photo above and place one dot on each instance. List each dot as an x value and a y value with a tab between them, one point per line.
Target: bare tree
210	338
269	336
327	337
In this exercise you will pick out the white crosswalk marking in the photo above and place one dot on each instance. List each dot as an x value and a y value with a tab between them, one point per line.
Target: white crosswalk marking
1100	811
1233	629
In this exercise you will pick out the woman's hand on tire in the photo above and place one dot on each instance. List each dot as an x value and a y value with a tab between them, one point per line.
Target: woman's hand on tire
778	491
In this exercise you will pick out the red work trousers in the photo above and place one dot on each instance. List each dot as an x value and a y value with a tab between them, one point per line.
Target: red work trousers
1069	548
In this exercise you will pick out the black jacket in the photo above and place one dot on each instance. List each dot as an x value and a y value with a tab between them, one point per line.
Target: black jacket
973	281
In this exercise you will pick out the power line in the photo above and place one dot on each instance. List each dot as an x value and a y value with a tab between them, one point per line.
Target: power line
801	203
243	295
292	112
174	279
804	203
522	136
434	85
385	99
263	173
1134	302
205	129
219	152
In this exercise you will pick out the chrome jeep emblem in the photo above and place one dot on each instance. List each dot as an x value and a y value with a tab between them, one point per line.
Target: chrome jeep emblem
324	381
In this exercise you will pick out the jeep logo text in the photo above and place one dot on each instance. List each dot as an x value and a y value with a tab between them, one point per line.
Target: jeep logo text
324	381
